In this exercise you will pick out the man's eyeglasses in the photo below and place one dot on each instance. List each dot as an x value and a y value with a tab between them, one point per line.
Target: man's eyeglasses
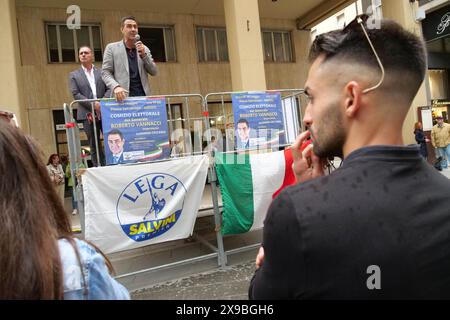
361	20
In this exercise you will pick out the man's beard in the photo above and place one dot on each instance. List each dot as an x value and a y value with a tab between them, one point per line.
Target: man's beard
329	135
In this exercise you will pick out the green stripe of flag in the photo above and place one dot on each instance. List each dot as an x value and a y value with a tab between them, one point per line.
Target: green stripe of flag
235	178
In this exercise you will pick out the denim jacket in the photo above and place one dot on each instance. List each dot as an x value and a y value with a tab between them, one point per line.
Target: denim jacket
99	283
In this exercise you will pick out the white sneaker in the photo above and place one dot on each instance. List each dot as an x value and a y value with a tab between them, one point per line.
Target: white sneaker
74	212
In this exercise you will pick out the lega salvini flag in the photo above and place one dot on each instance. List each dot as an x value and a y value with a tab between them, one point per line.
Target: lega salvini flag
248	183
132	206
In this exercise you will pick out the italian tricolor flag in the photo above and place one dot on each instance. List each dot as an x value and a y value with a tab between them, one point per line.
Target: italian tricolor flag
248	183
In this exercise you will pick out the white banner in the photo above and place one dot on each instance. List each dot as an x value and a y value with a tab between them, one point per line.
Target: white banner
128	207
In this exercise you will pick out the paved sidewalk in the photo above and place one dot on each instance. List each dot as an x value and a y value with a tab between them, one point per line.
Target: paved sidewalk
230	283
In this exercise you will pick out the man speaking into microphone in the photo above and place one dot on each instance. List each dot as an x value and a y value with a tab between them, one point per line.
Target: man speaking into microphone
127	62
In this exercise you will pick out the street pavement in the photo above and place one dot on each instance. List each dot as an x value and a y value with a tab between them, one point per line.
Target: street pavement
230	283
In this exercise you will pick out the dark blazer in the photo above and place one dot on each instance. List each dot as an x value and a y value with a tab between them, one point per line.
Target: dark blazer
80	89
384	207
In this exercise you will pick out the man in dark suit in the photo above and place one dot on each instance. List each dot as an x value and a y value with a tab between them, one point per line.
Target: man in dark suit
379	226
86	83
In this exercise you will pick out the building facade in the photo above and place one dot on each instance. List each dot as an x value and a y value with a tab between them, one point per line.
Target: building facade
436	31
200	47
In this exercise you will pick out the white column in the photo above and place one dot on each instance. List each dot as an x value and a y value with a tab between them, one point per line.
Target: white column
245	45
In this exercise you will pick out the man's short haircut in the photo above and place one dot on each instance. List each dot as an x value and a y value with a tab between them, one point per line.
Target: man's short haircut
242	120
128	18
84	46
115	131
402	53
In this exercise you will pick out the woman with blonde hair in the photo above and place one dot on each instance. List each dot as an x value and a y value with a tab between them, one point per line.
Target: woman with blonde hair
40	258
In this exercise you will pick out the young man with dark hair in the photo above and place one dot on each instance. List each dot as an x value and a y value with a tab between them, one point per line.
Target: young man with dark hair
127	62
378	227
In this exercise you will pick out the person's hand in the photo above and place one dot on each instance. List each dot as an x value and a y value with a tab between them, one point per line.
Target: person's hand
140	49
427	140
120	93
306	164
98	110
57	180
259	258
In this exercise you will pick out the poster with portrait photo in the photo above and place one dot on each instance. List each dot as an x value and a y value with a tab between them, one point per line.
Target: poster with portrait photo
258	120
135	130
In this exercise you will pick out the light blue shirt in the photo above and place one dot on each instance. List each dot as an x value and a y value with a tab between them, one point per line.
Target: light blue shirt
99	283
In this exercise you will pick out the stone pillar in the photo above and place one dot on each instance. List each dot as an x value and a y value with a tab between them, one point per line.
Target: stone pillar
245	45
10	83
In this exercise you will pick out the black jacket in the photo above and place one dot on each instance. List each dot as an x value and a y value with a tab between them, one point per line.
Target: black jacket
81	89
385	207
421	140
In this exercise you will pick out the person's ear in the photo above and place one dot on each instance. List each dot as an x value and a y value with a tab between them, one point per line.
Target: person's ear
352	98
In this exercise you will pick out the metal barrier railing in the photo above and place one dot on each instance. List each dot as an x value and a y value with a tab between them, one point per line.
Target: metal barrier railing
184	127
293	95
186	121
291	105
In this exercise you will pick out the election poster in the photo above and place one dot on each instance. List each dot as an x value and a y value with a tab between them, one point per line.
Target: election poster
258	120
135	130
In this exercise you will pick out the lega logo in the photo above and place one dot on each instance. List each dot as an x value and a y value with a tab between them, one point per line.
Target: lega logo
150	205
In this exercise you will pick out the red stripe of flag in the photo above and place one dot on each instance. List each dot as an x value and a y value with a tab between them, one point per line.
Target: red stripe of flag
289	177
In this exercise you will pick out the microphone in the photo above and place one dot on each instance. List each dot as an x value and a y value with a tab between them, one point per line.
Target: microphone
137	38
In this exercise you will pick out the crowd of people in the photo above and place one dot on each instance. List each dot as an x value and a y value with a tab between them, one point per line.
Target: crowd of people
386	207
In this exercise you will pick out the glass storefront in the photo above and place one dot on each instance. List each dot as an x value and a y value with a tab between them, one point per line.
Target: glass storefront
439	89
436	31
